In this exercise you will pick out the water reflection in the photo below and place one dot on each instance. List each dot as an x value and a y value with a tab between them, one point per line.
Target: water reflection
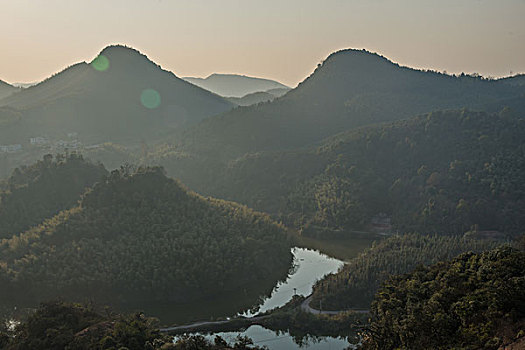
310	267
284	341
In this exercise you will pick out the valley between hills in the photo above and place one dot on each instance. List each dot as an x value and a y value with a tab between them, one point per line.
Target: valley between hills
373	205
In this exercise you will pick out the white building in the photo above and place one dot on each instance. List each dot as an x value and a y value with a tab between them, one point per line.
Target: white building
74	144
10	148
38	141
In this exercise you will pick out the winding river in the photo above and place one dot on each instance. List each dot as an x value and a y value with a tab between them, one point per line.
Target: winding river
310	266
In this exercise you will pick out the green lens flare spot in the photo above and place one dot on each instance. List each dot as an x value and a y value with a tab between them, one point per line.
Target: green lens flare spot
150	98
101	63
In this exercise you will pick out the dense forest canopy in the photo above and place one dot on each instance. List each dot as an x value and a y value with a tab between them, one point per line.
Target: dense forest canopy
351	88
443	172
141	237
40	191
355	285
60	325
439	172
475	301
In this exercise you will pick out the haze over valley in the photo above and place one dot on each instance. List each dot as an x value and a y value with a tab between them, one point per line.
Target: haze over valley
243	201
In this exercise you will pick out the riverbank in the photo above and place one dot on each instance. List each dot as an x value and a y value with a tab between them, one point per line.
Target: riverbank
343	247
296	317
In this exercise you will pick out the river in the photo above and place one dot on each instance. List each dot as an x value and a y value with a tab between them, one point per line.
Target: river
284	341
310	266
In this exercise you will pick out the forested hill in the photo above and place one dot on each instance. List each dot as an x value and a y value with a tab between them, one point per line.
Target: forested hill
60	325
443	172
39	191
350	88
258	97
139	238
475	301
355	285
120	96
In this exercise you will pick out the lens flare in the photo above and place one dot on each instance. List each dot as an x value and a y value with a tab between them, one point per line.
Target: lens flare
101	63
150	98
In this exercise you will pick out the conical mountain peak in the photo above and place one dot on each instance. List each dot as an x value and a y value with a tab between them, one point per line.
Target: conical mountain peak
120	95
119	49
120	56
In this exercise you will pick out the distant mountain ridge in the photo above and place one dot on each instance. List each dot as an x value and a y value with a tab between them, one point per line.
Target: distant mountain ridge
258	97
235	85
120	96
351	88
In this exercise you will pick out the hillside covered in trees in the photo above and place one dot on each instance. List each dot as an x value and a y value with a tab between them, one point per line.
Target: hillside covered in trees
475	301
40	191
140	237
120	96
258	97
60	325
355	285
443	172
351	88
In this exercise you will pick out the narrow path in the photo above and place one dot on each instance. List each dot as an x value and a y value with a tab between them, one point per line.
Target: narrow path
305	306
211	323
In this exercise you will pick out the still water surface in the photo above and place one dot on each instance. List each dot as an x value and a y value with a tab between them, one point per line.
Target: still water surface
310	266
284	341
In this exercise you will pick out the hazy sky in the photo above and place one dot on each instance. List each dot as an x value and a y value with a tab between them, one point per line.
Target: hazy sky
278	39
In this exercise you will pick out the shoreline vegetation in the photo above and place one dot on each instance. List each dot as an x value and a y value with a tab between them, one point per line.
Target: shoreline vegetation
292	317
493	277
88	326
62	325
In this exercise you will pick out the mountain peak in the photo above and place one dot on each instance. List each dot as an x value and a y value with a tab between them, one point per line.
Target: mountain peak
356	56
119	48
150	100
119	55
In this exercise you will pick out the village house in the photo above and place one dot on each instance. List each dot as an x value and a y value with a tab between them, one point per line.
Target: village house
38	141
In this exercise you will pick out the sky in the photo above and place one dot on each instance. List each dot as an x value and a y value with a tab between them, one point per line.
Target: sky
276	39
